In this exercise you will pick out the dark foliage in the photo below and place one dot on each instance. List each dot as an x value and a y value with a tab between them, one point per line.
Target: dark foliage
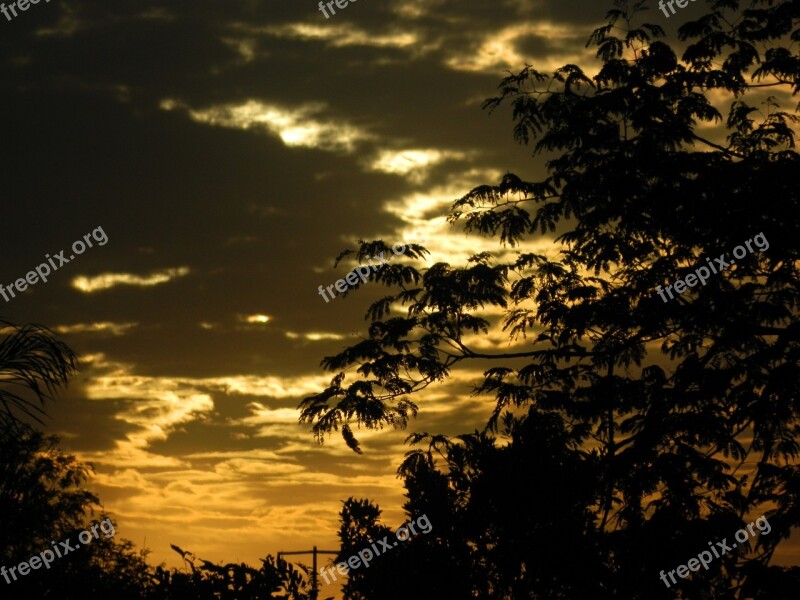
32	359
685	412
275	579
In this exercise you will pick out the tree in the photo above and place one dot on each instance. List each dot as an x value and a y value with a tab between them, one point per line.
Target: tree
41	498
30	358
416	568
275	579
489	537
688	406
43	503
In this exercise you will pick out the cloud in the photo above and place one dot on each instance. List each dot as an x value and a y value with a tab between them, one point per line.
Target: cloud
294	126
260	319
106	281
343	34
502	48
314	336
115	328
415	163
120	382
237	467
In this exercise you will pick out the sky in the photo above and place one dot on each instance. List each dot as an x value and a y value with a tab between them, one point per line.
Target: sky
229	151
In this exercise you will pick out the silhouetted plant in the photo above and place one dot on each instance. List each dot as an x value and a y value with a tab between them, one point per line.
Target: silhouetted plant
205	580
691	406
42	500
30	358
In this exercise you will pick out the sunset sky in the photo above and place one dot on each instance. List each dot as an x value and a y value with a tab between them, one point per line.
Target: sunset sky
230	150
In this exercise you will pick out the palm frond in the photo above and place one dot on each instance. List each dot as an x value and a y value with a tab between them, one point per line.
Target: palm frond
33	359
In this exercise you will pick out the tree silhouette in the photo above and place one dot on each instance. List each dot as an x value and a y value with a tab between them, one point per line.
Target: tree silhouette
275	579
490	537
42	501
30	358
41	498
686	409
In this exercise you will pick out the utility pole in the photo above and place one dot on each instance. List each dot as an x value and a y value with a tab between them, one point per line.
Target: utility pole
314	590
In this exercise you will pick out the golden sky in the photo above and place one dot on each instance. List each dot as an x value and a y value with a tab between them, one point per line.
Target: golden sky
230	150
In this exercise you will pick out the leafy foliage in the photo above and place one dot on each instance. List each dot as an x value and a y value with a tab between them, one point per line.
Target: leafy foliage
30	358
42	500
275	579
689	407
